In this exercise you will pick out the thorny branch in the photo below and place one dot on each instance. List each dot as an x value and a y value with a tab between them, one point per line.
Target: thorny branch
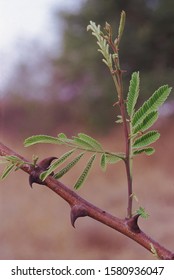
80	208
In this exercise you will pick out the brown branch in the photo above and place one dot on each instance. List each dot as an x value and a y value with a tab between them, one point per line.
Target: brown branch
80	208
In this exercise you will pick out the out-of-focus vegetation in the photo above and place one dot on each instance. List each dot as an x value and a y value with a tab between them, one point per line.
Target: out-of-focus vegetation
50	92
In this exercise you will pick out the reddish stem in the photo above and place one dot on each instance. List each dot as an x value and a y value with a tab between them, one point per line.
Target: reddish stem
81	207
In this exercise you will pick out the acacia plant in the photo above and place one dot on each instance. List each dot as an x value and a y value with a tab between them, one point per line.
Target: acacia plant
137	137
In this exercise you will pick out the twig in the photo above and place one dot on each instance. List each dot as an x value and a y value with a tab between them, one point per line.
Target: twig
80	208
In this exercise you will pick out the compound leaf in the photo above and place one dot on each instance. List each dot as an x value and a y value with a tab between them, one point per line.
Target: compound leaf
133	93
68	166
8	169
148	151
91	141
41	139
114	158
85	173
102	43
152	104
146	139
56	163
82	143
147	122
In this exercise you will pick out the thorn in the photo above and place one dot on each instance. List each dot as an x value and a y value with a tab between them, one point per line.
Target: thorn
133	223
76	212
43	165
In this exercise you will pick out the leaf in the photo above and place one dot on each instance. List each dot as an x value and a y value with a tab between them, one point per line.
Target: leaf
103	162
133	93
114	158
85	173
102	43
142	212
62	136
147	122
41	139
146	139
13	159
152	104
56	163
121	25
82	143
7	170
119	120
148	151
68	167
93	142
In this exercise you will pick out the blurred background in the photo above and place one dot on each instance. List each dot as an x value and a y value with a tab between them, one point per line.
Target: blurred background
53	80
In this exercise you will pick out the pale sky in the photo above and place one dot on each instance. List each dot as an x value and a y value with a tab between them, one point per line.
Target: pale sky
22	20
28	19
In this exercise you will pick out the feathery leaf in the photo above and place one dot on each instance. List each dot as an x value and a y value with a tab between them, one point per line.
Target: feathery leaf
93	142
8	169
146	139
41	139
114	158
56	163
68	166
133	93
85	173
152	104
82	143
147	122
148	151
102	43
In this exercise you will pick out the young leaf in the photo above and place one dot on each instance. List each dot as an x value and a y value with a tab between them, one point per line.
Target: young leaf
148	151
120	119
142	212
94	143
85	173
68	167
41	139
152	104
56	163
121	25
133	93
7	170
147	139
104	47
147	122
103	162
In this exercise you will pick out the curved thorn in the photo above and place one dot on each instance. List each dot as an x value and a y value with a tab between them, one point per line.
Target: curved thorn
43	165
76	212
133	223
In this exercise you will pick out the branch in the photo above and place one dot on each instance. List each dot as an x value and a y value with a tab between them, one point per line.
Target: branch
80	208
